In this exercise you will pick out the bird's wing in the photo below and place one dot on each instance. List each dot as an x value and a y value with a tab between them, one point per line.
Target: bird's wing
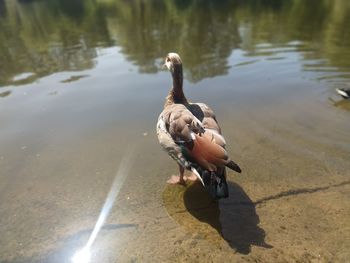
177	128
168	143
190	141
210	123
174	150
181	123
183	136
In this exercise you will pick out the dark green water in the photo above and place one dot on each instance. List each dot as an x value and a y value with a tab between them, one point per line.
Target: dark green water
82	80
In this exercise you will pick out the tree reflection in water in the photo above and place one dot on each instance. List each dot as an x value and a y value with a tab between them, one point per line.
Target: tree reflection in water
59	35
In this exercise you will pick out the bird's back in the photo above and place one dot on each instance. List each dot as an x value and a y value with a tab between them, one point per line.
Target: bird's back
195	124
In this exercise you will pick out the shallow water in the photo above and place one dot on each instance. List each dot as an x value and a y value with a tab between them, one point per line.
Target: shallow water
80	81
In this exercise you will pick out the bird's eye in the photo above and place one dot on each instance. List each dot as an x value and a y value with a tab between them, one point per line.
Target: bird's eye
167	59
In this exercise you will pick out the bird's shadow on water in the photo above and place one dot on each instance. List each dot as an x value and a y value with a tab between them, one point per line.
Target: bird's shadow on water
234	218
343	104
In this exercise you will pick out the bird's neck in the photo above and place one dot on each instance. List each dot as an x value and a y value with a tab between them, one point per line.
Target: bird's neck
176	94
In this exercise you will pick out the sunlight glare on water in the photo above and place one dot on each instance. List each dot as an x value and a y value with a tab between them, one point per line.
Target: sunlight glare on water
83	255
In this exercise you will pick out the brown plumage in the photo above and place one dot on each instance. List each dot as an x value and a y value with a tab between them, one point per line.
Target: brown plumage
190	133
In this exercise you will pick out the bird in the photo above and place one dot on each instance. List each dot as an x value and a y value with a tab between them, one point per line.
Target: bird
190	134
345	93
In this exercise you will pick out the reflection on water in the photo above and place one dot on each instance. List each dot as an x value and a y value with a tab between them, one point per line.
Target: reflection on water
49	36
74	78
5	93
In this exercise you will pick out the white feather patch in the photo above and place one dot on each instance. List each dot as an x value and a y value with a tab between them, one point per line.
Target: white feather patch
193	136
161	125
343	93
197	174
217	134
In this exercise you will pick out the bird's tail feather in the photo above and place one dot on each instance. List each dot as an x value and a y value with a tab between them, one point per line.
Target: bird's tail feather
232	165
215	183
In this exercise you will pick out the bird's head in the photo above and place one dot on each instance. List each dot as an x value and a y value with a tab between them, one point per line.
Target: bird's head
173	62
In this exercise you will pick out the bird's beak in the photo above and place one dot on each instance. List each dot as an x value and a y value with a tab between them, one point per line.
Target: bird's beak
163	67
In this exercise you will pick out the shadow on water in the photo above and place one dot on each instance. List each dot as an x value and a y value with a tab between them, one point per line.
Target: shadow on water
233	220
237	224
343	104
293	192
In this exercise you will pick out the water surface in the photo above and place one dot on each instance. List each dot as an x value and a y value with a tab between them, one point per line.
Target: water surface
80	81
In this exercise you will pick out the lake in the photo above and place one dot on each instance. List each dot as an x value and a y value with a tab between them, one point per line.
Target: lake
82	85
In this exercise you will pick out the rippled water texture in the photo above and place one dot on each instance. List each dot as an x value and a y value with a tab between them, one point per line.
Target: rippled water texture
81	81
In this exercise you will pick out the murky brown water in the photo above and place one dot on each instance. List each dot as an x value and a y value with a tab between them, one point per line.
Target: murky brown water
80	81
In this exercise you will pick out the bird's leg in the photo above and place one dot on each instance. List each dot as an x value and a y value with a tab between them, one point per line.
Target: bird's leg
192	177
177	179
